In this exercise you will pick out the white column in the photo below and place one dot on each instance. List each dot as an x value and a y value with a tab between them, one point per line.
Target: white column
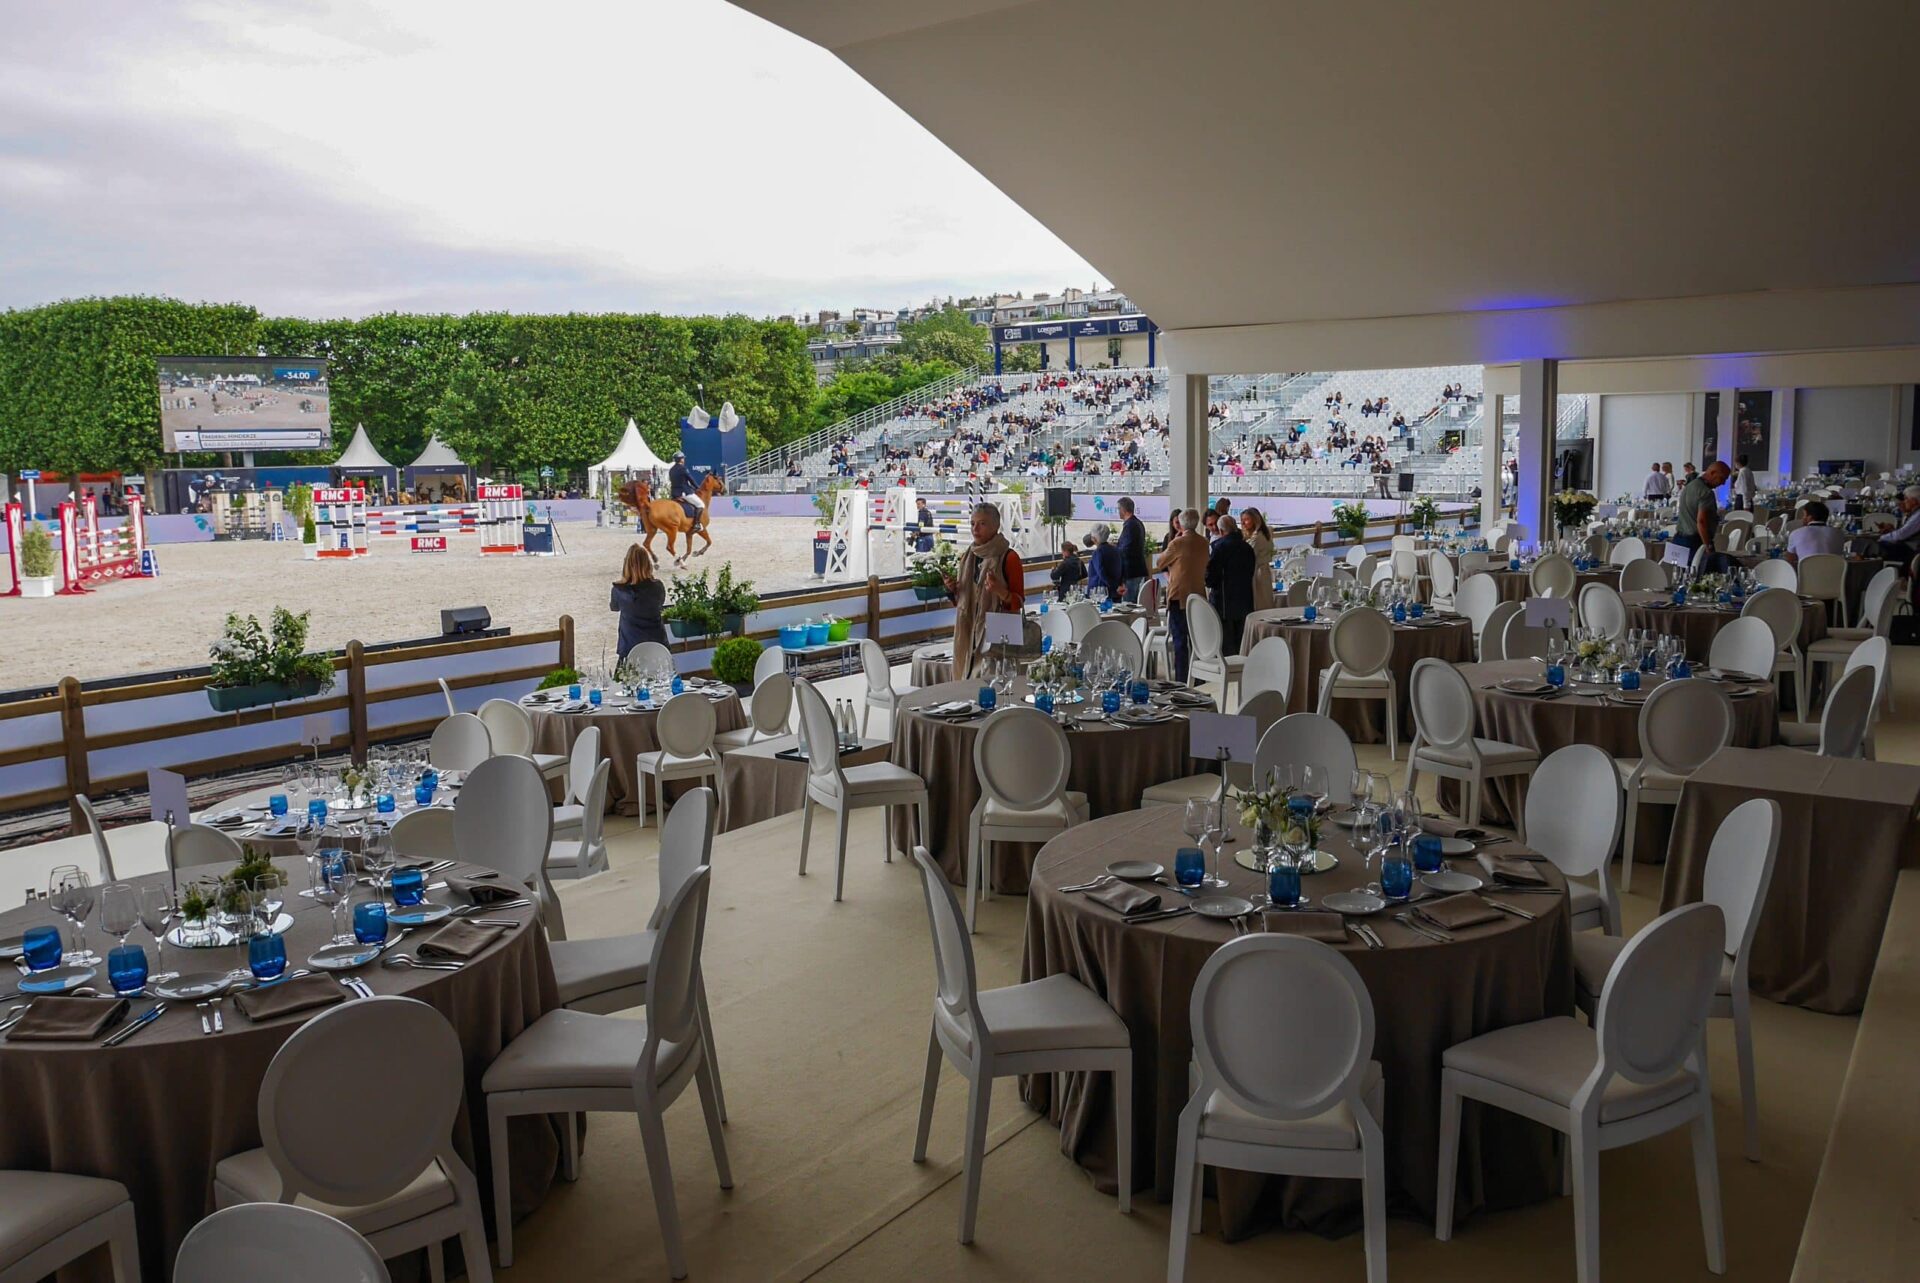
1187	446
1539	398
1786	404
1493	406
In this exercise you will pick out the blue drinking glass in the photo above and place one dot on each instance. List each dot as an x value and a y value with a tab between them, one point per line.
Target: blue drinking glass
595	695
1283	883
383	805
317	811
423	793
1105	605
1426	853
1629	679
277	804
1556	675
1680	596
986	698
1680	668
1416	610
267	952
1300	805
370	922
1043	701
1513	563
1310	613
409	886
1140	692
430	776
1396	876
678	686
1046	645
1189	866
573	691
1043	607
1109	701
1399	612
42	947
127	968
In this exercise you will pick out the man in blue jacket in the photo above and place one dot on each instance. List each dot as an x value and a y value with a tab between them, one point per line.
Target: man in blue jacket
1133	550
1103	565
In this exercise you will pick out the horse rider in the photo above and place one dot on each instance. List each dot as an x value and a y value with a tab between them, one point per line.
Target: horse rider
684	488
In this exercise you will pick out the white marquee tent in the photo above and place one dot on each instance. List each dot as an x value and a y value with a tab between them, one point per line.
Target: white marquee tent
631	455
360	454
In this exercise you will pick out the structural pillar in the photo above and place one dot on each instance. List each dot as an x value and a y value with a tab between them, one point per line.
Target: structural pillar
1539	400
1187	442
1492	440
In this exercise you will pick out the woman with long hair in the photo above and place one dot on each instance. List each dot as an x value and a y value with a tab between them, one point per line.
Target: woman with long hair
639	596
1254	526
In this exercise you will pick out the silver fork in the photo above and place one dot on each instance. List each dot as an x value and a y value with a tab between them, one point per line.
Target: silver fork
1100	881
407	960
468	909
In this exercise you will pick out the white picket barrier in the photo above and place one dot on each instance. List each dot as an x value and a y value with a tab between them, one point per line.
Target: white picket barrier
340	521
503	510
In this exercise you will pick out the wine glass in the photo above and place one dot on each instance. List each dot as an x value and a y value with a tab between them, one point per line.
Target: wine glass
1198	818
119	910
71	893
328	880
376	851
1314	782
156	911
1359	788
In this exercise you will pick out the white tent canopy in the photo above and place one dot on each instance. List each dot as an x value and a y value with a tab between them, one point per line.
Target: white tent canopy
360	453
437	455
631	455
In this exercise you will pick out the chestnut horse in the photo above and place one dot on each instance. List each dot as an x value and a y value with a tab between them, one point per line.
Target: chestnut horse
657	515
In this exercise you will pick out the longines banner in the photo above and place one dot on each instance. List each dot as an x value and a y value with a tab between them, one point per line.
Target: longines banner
1092	328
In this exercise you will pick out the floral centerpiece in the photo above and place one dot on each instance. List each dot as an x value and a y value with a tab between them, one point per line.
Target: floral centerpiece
252	665
1350	519
1424	514
1263	811
931	570
1302	830
1054	668
1707	587
1571	508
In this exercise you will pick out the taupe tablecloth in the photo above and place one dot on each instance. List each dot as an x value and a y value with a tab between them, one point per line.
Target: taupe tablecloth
933	664
624	735
1426	997
1111	765
758	785
1547	724
1699	625
159	1111
1847	829
1364	720
1517	585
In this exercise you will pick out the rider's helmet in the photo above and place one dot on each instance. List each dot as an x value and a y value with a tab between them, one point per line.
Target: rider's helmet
679	456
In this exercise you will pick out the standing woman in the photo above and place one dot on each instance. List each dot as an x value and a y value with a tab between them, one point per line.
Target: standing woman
639	596
1260	538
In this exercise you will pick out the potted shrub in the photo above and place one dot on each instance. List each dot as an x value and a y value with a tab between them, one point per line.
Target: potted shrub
36	563
309	538
931	570
734	601
559	677
1350	519
690	611
733	663
1424	514
253	666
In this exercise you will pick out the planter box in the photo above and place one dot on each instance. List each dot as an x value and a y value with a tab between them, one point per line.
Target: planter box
36	585
310	551
733	625
685	628
231	699
935	593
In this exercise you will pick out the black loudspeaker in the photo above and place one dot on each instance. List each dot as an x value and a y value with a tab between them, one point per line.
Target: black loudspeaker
465	619
1059	501
1406	483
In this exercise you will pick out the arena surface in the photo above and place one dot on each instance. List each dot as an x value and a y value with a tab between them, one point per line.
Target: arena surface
144	625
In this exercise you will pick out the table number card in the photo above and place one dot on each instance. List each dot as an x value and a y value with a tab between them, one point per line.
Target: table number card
1005	627
1317	565
1549	612
1677	555
167	797
1222	736
314	731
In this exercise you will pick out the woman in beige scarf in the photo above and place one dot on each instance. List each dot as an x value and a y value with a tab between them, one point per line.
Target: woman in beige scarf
1254	526
988	579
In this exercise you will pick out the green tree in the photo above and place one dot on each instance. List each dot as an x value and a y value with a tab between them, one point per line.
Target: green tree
1021	358
946	335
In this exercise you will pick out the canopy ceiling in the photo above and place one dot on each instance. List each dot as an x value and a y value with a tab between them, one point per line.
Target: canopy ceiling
1242	162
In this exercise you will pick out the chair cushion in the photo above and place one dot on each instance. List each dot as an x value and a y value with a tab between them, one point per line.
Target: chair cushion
38	1207
1053	1014
1370	682
567	817
1654	779
1594	955
599	964
882	777
251	1177
549	762
1069	808
1334	1129
1832	649
1553	1058
1800	734
724	740
1584	897
575	1049
1848	634
1492	753
658	760
563	857
1179	792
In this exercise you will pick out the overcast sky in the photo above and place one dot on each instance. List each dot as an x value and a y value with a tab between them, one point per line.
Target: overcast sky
341	157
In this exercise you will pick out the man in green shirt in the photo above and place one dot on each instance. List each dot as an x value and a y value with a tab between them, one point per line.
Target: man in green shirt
1699	513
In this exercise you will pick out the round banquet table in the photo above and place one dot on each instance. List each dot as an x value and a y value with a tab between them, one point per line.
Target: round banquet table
1449	637
1603	721
159	1111
1426	996
1699	625
1112	765
625	733
932	665
1517	585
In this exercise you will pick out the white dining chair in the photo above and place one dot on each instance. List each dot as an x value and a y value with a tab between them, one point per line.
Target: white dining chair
880	689
1776	572
1738	873
1493	636
1638	1072
1682	724
405	1190
1627	550
1057	624
1475	598
1552	576
425	834
1158	643
1021	758
1305	739
1877	607
1574	813
1119	640
581	761
1847	715
1365	568
1265	708
1744	646
1872	654
1444	743
102	851
584	852
1362	645
1442	581
281	1241
510	730
647	656
1286	1082
1823	577
1781	611
1083	615
1356	553
1269	667
768	716
569	1062
1521	640
684	730
1054	1025
459	743
1602	611
503	821
1644	575
446	693
1205	637
843	789
49	1220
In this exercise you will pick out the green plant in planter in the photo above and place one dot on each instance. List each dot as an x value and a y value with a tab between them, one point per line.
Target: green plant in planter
247	655
36	553
300	501
308	532
734	660
690	601
931	570
1424	514
559	677
823	503
732	598
1350	519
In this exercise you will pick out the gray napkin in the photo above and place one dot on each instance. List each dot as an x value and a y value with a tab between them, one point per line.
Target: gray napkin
1126	900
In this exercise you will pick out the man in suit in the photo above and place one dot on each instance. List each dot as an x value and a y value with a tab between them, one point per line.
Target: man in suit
1133	550
1230	584
1184	559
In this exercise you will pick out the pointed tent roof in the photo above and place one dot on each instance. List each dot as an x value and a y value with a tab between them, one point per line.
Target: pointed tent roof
360	452
631	455
437	455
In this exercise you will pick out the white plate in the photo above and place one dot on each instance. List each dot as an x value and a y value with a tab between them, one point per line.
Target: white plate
1135	869
196	984
416	915
1221	906
1322	861
56	979
1348	817
1455	846
1450	881
1361	902
1063	697
1522	685
13	948
343	957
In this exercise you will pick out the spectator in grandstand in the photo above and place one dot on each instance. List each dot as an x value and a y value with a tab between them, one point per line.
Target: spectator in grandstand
1133	547
1382	471
1230	583
1253	525
1184	560
1103	565
639	596
1813	534
1069	572
988	580
1658	485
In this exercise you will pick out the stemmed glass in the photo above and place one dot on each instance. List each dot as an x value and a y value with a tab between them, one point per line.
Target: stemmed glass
71	894
156	911
1314	783
1198	824
376	852
330	879
119	910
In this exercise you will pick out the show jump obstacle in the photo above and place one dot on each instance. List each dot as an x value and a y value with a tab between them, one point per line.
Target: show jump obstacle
503	510
88	554
345	524
340	521
892	514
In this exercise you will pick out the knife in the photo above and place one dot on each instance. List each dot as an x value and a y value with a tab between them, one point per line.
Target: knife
153	1013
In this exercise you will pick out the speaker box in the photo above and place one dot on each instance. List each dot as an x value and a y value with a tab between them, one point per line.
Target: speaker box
1406	483
465	619
1059	501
